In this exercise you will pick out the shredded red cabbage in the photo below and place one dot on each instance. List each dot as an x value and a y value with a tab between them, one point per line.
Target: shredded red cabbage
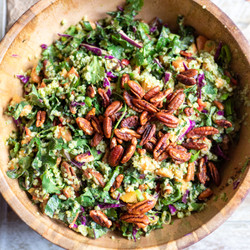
167	76
155	25
94	49
217	150
191	126
184	198
129	40
142	176
158	63
83	220
75	226
185	66
99	152
64	35
108	206
200	84
205	158
220	112
44	46
172	209
111	74
17	122
236	184
23	79
74	104
109	57
118	196
106	84
120	8
82	209
74	162
14	55
218	50
205	111
134	233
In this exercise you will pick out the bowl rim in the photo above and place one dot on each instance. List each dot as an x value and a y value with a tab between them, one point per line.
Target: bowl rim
200	232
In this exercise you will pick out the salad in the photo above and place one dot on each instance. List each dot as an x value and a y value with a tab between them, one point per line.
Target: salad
123	124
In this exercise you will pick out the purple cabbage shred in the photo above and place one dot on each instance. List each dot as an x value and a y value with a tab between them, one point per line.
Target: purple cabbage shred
93	49
218	151
184	198
191	126
157	23
129	40
44	46
64	35
109	57
205	111
134	233
75	226
167	76
172	209
185	66
220	112
74	104
23	79
200	84
99	152
111	74
14	55
218	50
158	63
108	206
120	8
236	184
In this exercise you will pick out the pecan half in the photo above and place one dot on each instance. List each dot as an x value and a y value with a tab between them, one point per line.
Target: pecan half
129	122
214	173
163	156
144	118
100	218
115	155
185	54
129	151
190	72
151	93
124	79
90	91
188	111
141	220
202	174
128	100
141	207
179	155
141	151
40	118
90	114
136	89
190	172
85	125
161	146
149	146
144	105
117	183
194	145
205	194
161	96
104	96
85	157
98	177
189	81
96	124
223	123
167	119
141	129
148	134
113	108
96	140
107	127
176	100
219	105
126	134
202	131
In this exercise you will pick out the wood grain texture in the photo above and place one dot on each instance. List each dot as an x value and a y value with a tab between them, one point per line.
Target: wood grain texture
39	25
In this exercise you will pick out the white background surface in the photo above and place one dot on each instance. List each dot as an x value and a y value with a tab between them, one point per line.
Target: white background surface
233	234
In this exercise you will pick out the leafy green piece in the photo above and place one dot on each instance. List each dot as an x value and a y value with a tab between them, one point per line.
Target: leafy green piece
34	97
86	199
194	156
18	109
95	71
52	205
15	173
132	7
163	39
210	91
225	56
112	179
96	231
209	117
48	183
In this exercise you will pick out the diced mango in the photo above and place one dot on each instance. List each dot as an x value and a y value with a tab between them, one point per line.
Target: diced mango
130	197
164	172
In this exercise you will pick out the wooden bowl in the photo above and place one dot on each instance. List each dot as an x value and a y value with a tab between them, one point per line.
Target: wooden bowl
40	24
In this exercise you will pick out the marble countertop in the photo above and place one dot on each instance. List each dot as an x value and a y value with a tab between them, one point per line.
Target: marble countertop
233	234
